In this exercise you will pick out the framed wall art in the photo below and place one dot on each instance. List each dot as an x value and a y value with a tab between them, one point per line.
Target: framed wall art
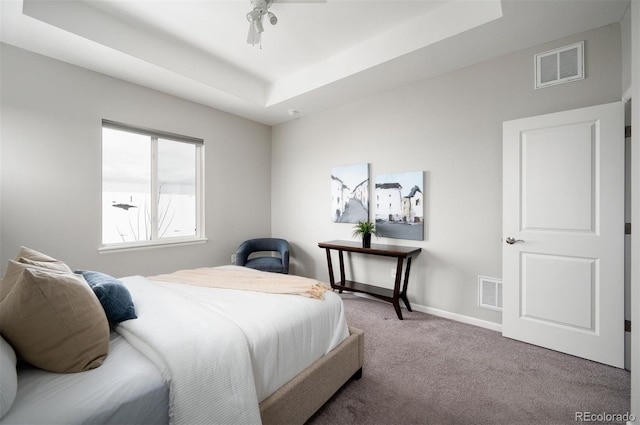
350	193
399	205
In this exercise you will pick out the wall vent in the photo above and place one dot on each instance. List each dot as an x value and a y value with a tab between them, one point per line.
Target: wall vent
560	65
490	293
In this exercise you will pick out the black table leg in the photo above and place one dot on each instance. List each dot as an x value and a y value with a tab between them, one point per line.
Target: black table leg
396	289
403	295
331	279
396	306
342	274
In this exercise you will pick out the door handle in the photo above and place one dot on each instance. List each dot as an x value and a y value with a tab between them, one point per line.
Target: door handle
511	241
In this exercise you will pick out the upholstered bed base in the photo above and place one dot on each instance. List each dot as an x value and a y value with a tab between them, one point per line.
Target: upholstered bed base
300	398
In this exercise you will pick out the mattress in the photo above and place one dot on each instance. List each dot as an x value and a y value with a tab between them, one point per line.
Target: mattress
126	389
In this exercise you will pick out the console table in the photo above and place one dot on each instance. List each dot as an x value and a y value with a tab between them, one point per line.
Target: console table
391	295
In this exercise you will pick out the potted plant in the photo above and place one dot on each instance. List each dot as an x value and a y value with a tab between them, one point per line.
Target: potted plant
365	229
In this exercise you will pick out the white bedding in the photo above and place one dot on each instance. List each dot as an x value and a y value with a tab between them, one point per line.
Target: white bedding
286	333
279	336
276	335
202	355
126	389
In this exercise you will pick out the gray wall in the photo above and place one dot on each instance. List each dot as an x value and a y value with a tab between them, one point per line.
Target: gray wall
50	169
450	127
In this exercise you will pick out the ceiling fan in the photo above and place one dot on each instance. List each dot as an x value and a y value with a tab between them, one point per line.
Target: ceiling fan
260	9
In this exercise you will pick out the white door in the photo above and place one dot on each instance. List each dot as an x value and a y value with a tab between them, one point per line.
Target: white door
563	231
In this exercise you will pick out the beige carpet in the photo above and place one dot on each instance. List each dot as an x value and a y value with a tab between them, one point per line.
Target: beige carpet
429	370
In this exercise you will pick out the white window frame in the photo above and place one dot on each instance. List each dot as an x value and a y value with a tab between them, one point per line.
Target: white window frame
155	241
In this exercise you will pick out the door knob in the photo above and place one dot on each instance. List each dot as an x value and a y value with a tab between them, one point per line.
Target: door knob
511	241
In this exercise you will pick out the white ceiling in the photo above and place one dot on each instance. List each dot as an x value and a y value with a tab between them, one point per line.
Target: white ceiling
319	55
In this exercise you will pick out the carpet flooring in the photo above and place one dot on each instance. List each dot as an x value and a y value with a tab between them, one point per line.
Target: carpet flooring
430	370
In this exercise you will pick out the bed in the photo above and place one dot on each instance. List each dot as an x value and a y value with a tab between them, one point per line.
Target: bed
192	354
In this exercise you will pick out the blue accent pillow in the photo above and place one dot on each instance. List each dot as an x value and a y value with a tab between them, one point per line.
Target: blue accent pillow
112	294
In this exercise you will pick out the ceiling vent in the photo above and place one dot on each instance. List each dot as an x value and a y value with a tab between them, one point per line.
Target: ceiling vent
560	65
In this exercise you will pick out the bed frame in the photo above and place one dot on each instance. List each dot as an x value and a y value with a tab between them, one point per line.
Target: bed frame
297	400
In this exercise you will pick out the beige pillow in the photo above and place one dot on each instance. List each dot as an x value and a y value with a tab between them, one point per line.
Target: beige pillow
13	273
33	255
30	257
57	266
55	322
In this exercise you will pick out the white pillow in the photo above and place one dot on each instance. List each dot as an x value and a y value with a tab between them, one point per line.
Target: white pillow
8	377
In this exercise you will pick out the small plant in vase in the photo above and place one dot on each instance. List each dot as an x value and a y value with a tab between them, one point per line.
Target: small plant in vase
364	229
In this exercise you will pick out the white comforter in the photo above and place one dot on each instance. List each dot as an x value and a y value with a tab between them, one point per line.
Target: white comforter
223	351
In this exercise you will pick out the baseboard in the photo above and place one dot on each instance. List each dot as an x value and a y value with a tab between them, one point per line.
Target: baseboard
459	317
447	315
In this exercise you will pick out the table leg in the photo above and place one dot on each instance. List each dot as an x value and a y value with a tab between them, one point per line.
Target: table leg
403	295
396	306
331	278
342	274
396	289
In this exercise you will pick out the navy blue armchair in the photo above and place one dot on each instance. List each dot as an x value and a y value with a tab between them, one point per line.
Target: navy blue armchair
265	263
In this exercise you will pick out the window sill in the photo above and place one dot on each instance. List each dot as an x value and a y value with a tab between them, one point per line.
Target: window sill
105	249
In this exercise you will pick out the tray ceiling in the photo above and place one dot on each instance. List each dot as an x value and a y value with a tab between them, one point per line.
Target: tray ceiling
319	55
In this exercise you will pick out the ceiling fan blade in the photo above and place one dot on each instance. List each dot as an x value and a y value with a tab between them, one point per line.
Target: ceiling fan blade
253	37
257	25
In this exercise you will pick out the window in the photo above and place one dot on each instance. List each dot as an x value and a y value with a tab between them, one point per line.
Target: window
152	187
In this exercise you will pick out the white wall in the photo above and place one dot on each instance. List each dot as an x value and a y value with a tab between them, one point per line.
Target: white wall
451	128
51	169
